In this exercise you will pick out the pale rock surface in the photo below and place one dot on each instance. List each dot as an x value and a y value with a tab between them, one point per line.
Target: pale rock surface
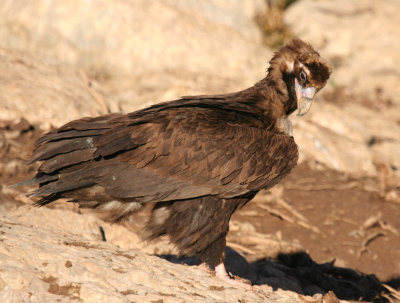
43	91
360	38
134	37
49	255
339	138
143	51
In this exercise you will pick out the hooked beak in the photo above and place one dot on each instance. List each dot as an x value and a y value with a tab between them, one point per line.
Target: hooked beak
304	98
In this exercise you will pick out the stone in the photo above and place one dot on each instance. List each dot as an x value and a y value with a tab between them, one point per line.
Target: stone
38	243
361	121
135	37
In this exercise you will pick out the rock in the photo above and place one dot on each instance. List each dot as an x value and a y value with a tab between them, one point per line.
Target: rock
43	91
135	37
340	138
361	122
192	47
359	37
49	255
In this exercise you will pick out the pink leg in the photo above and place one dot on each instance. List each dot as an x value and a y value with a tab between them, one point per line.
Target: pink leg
221	273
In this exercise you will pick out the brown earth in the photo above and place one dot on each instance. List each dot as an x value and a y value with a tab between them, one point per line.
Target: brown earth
346	222
353	224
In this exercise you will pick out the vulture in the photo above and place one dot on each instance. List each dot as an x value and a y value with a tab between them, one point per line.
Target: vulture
196	159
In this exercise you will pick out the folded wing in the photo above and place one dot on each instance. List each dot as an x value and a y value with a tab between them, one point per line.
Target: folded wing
163	154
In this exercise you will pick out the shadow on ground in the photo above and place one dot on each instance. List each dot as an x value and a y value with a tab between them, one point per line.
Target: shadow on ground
297	272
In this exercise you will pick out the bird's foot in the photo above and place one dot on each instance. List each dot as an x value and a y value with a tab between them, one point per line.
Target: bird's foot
205	267
221	273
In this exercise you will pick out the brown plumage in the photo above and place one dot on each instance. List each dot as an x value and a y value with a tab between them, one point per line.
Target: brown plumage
198	159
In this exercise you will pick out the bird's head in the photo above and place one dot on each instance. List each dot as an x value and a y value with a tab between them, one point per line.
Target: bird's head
303	72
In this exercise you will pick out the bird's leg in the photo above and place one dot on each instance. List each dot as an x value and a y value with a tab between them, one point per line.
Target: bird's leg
221	273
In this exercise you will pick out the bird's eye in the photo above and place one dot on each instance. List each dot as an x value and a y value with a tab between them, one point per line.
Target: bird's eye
303	76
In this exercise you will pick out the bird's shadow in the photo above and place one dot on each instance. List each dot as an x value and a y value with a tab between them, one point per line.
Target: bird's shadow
297	272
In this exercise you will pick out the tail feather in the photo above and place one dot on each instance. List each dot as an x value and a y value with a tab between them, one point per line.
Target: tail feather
47	200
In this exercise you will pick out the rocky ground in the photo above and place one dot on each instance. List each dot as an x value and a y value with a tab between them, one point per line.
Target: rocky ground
332	225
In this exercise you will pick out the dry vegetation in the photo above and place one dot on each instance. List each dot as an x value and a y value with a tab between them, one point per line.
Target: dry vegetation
275	32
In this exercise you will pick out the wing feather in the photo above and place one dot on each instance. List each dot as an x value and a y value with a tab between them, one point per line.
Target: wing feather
165	154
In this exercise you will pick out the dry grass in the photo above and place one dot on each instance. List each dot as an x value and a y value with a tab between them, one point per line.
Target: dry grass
275	32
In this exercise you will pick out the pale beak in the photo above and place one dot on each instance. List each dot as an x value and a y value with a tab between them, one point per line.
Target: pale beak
304	98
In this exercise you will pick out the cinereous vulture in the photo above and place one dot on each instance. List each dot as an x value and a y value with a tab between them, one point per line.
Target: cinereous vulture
196	159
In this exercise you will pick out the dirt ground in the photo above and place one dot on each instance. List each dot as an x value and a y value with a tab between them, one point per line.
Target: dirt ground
354	225
345	228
